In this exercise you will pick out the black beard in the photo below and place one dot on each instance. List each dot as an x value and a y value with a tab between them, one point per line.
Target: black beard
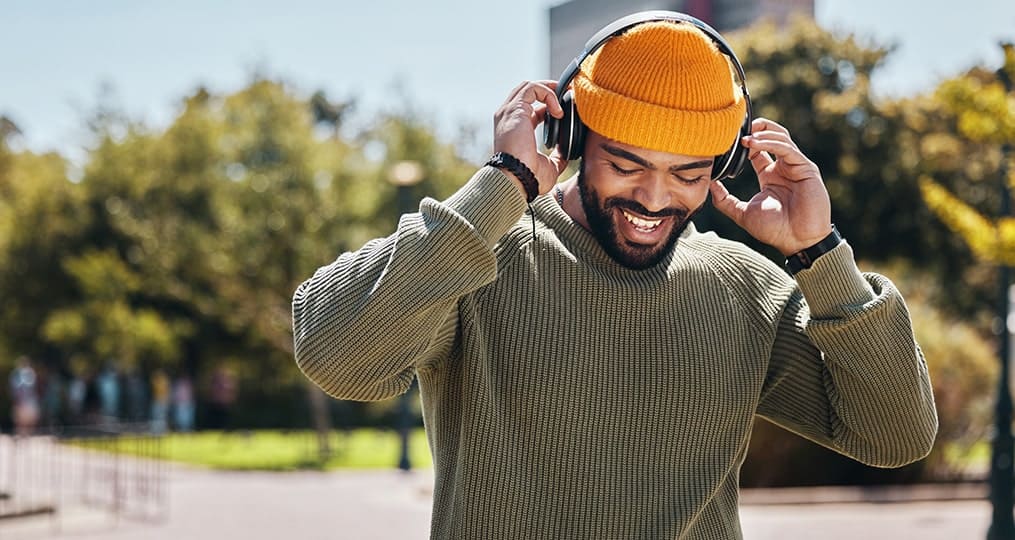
599	216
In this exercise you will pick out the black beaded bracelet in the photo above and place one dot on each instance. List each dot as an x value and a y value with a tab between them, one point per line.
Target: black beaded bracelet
513	165
805	258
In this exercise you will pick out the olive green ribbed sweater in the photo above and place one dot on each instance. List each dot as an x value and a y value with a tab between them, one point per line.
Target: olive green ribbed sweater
565	396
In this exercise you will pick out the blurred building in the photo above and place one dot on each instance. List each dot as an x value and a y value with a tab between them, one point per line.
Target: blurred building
573	23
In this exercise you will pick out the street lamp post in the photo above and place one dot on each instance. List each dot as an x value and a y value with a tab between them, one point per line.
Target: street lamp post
404	175
1002	482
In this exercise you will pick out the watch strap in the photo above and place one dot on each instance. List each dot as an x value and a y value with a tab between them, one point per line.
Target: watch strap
806	257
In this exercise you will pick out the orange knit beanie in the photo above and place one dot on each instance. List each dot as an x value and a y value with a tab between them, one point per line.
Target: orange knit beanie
662	86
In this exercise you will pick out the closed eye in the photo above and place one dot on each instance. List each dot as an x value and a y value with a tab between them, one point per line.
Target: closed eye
620	170
691	181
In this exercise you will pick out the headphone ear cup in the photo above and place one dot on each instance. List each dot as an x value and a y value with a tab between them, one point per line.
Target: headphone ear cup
551	129
731	164
570	129
721	165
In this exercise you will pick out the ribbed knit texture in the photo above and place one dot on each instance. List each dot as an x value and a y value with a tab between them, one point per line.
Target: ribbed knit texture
566	397
663	86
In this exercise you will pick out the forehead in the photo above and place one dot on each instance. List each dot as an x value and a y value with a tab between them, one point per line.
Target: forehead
600	145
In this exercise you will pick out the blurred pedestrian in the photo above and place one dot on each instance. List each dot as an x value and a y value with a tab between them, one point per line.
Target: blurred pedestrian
24	397
76	389
221	397
52	398
160	401
183	404
107	384
137	396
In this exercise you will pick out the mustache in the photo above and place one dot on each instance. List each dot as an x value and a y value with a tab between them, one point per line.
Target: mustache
634	206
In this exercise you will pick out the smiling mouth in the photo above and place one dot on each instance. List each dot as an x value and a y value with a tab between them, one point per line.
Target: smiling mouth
640	223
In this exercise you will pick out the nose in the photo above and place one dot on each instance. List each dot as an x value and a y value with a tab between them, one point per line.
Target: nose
653	193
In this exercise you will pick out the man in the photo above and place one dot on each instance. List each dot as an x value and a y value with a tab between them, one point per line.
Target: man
593	370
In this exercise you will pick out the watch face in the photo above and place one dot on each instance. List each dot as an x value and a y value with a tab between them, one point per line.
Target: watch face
806	257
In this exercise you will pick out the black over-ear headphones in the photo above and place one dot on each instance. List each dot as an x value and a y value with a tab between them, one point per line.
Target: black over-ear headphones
568	133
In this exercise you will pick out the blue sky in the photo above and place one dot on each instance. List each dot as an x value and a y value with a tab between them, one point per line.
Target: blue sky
456	59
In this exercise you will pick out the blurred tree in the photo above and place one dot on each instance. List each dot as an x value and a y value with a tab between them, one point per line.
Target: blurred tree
406	135
328	113
982	109
104	325
42	219
219	217
817	84
276	218
181	247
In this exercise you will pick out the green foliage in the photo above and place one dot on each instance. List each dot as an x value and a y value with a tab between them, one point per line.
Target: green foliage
180	248
817	85
104	325
981	107
872	153
985	108
42	218
279	451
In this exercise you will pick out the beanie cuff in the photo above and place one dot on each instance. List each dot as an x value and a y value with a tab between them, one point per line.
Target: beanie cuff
655	127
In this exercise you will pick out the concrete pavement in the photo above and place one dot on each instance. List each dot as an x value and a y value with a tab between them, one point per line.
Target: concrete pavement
386	505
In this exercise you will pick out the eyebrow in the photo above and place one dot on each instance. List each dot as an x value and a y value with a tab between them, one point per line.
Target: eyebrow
624	154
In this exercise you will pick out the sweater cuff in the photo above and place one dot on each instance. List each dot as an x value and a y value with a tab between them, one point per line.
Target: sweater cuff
833	284
490	201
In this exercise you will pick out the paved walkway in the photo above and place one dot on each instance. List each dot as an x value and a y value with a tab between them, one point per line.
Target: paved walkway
386	505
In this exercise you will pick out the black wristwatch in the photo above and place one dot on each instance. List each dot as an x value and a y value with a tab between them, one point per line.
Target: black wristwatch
805	258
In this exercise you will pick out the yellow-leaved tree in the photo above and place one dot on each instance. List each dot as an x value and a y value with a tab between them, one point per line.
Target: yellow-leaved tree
983	106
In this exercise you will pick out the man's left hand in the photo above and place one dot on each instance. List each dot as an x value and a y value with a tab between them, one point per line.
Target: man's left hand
791	212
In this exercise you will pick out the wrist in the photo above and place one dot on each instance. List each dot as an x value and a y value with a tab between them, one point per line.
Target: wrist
804	258
515	181
518	171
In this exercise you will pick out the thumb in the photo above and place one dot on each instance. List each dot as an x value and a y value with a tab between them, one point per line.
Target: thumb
726	202
556	165
558	161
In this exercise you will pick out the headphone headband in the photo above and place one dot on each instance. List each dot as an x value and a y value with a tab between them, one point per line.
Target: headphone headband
568	133
623	24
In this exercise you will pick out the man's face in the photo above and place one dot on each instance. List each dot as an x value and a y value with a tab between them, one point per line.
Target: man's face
638	201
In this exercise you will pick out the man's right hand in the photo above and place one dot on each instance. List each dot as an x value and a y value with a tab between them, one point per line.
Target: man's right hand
514	126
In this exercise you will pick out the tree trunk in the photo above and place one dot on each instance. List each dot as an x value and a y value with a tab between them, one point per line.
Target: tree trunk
321	419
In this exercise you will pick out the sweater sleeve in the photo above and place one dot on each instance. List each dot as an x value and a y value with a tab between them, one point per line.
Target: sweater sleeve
845	369
362	324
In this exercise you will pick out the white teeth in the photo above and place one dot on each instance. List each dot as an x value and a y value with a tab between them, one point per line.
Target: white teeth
644	224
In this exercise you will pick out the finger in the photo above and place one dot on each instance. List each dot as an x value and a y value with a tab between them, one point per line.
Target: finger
543	93
516	90
538	113
762	124
551	84
558	161
759	159
726	202
772	135
538	116
779	149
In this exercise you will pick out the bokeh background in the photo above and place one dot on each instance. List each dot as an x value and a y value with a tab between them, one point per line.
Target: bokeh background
170	172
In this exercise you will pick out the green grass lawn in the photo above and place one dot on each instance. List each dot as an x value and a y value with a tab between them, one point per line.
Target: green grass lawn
357	449
278	450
